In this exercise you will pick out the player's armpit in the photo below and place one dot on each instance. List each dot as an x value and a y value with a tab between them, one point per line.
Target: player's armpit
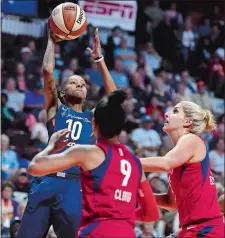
148	210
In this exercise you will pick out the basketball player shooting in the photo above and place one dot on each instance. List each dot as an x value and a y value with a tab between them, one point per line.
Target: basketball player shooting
56	199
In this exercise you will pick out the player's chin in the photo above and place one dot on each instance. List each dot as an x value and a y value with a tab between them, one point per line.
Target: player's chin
79	95
165	128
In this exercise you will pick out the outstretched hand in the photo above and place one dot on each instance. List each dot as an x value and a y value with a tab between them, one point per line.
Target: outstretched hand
58	140
96	51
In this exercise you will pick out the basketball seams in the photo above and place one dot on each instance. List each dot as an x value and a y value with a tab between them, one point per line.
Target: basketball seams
67	36
72	30
59	14
69	16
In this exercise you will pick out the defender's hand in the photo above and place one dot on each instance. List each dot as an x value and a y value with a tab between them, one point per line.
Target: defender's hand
96	51
58	140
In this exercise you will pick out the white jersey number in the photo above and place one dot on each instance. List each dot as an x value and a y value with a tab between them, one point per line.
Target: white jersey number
75	129
125	168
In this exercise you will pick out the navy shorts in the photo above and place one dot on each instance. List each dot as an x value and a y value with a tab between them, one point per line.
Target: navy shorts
52	201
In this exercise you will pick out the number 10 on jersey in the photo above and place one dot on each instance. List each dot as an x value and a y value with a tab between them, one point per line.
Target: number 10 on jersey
75	127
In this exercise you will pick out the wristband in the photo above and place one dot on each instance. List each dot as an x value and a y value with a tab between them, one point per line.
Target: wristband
98	59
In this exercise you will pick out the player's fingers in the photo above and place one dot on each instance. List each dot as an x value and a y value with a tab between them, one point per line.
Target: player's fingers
89	49
63	132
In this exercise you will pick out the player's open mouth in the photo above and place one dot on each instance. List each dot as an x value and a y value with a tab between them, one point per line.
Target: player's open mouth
166	122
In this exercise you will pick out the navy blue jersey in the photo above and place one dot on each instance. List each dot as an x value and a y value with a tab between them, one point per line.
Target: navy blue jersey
80	125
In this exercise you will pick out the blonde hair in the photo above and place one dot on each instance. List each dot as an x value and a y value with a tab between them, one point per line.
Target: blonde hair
203	120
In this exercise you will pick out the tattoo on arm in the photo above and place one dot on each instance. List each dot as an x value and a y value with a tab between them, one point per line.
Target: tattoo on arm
53	90
49	57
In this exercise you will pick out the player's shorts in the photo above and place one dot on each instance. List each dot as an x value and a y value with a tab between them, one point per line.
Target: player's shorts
106	229
210	229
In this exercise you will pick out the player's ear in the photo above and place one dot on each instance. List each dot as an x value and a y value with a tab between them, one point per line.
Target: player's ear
188	122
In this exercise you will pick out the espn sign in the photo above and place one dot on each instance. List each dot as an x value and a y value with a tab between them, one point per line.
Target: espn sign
109	14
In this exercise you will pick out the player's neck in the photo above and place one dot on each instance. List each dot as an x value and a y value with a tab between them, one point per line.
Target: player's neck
75	107
177	134
113	140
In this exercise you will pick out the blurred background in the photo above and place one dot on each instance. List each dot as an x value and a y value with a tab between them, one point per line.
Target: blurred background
160	52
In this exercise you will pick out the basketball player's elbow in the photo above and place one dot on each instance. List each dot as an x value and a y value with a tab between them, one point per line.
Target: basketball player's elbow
47	70
36	169
167	165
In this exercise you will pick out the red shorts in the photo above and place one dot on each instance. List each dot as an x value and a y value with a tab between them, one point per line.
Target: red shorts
106	229
210	229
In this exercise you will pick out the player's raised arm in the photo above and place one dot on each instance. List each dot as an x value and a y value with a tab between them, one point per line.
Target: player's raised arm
50	90
47	162
96	54
148	210
180	154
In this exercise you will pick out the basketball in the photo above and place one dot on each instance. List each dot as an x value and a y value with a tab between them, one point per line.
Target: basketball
68	21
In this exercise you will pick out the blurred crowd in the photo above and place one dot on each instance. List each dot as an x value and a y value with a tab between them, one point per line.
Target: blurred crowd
180	57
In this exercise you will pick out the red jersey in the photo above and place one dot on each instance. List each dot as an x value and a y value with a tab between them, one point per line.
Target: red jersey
110	190
194	190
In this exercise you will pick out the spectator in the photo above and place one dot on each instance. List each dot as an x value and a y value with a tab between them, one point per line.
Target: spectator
188	42
86	40
153	106
131	122
166	145
127	55
189	82
201	98
217	157
113	42
9	206
138	86
40	131
152	57
204	28
144	68
165	48
20	77
15	98
148	230
175	16
217	16
216	37
180	92
118	75
216	71
22	183
146	139
26	55
21	207
34	99
73	66
124	139
94	74
7	114
154	12
14	226
9	160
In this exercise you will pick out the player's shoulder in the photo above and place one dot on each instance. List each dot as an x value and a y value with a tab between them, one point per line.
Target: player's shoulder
192	142
190	139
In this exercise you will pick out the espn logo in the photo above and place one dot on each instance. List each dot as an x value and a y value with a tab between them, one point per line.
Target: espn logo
108	8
